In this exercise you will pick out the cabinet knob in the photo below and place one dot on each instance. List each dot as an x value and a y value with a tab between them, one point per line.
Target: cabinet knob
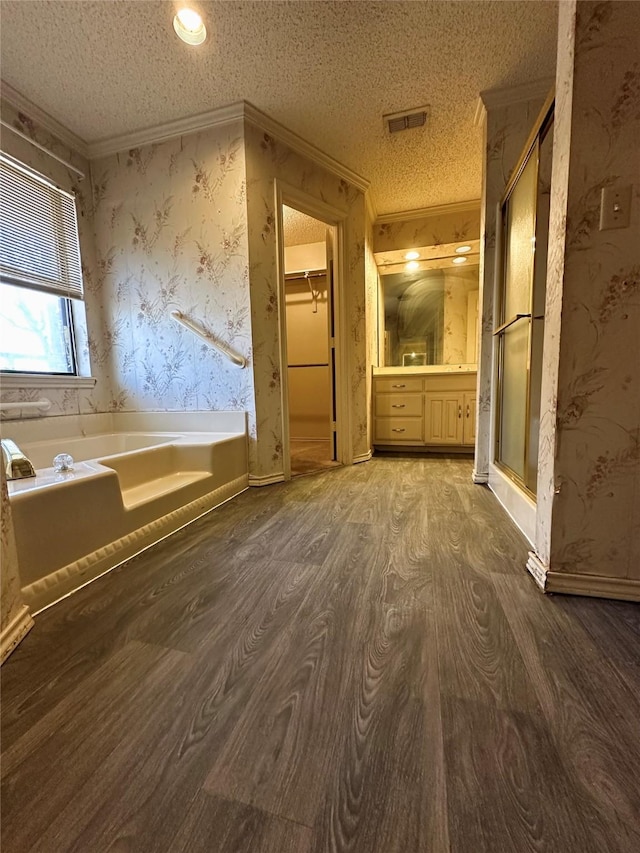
399	386
459	411
398	405
398	429
467	410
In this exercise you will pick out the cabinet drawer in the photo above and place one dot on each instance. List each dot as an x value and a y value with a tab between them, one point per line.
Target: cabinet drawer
397	384
398	429
401	405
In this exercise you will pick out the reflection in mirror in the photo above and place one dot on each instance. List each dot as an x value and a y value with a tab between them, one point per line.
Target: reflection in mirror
431	317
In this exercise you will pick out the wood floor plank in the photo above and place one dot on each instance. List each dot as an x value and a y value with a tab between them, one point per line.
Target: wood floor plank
220	685
280	752
596	731
387	790
214	825
77	736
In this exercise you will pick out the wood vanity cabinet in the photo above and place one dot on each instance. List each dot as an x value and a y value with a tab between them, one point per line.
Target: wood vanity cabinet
424	410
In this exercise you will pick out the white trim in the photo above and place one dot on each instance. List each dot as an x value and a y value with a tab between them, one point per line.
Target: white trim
518	505
480	113
597	586
480	478
266	479
44	120
537	570
241	110
169	130
362	457
306	149
429	212
495	98
181	127
15	631
370	205
334	219
38	380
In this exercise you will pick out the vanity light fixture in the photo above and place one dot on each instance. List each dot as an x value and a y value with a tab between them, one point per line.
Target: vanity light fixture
412	256
411	266
462	250
459	261
189	27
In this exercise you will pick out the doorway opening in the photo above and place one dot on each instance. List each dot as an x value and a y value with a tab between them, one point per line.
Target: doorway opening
309	326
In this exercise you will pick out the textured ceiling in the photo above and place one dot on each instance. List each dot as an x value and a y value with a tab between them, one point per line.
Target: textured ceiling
326	70
300	228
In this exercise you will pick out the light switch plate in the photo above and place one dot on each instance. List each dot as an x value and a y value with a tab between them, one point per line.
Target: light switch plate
615	207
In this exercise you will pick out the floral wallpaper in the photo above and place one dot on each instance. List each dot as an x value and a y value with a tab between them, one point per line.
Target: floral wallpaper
505	133
90	333
171	234
589	477
268	159
427	230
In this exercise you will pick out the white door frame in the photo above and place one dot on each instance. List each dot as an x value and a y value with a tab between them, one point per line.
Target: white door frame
334	219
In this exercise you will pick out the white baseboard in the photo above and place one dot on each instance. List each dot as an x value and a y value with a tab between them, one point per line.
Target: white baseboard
362	457
266	480
537	570
596	586
572	583
480	478
14	632
518	505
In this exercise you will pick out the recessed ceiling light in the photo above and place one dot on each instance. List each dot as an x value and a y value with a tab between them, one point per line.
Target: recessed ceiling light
411	266
189	27
459	261
462	250
412	256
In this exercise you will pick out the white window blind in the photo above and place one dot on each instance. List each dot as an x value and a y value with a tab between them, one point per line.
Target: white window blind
38	233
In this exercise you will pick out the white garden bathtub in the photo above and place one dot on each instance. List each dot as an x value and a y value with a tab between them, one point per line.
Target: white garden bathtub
127	491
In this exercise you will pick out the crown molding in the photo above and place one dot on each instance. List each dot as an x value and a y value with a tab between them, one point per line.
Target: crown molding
44	120
429	212
301	146
168	130
492	99
241	110
371	207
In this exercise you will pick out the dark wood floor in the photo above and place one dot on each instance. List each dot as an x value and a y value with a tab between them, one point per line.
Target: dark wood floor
308	457
355	661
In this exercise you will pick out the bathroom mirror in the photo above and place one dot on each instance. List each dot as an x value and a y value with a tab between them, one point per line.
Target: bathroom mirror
431	317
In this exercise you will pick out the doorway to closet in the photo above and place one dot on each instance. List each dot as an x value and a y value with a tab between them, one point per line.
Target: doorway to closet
309	322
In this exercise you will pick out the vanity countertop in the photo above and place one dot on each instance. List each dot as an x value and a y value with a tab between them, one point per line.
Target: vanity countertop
429	369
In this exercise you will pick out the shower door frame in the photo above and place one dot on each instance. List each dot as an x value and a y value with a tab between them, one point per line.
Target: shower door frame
334	219
531	149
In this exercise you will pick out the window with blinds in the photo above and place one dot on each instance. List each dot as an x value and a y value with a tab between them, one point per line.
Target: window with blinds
40	273
38	233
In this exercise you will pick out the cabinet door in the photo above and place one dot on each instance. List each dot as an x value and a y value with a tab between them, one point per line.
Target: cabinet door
469	428
443	418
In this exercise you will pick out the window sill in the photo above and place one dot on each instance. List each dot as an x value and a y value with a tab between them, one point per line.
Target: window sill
33	380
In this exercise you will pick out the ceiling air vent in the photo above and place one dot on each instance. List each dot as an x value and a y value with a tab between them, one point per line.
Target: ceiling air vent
416	117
